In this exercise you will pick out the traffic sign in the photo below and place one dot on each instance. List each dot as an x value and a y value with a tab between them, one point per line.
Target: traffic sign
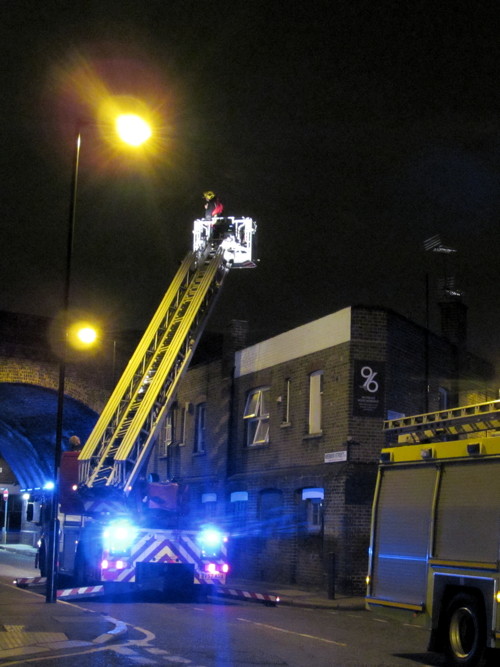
6	494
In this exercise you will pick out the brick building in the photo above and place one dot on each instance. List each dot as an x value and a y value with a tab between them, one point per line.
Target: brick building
280	441
277	441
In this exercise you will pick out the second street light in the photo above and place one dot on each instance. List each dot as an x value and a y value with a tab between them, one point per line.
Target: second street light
133	130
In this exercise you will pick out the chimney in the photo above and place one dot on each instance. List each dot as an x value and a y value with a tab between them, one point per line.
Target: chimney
235	338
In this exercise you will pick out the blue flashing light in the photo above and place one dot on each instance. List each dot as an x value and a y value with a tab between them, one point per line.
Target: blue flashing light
49	486
211	541
211	538
119	536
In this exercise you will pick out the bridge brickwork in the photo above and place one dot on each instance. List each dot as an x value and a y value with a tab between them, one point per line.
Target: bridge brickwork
87	383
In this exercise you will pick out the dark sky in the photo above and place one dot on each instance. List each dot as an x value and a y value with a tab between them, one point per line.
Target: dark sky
350	130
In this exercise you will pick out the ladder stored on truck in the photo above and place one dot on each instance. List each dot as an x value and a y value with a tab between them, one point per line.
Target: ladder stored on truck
125	432
454	423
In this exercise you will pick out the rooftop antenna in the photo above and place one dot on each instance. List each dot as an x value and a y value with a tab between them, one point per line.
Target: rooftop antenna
434	244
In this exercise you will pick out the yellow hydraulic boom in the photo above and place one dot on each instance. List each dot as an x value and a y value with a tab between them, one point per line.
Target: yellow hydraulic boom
126	429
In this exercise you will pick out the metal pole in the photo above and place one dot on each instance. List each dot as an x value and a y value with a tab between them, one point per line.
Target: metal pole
426	352
332	573
5	519
51	592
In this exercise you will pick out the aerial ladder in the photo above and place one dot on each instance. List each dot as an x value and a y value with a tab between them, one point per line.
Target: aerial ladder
453	423
126	430
108	536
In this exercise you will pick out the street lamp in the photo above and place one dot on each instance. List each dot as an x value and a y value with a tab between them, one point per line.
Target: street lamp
134	131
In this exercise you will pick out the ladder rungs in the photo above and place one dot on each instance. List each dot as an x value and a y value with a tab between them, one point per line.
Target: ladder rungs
481	417
134	415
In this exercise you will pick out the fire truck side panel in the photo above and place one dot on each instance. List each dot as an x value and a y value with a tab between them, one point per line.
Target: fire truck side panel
402	533
468	516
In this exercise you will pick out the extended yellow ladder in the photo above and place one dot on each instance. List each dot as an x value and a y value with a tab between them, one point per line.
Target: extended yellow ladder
461	422
128	425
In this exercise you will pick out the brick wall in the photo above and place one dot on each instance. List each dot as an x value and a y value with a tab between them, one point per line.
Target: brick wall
84	384
411	360
202	472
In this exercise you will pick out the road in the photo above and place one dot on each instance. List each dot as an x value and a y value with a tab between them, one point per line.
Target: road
240	634
229	633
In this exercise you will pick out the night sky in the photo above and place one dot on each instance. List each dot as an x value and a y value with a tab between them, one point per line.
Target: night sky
351	131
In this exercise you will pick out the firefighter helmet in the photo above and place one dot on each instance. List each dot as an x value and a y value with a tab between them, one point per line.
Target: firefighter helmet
209	194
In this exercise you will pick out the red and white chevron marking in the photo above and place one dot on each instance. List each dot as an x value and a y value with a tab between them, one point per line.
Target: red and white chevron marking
84	591
23	582
246	595
63	593
159	547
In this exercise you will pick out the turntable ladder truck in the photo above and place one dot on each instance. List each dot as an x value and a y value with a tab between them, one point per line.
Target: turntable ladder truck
435	534
106	534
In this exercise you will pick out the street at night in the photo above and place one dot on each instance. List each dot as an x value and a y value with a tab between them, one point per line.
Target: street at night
249	381
221	632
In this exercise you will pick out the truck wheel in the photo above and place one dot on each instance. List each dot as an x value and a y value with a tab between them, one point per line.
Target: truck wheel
465	631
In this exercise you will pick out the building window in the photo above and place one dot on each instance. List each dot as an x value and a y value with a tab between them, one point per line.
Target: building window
315	402
394	414
30	511
184	415
238	504
199	431
444	398
256	417
285	403
314	514
167	435
270	511
313	510
209	504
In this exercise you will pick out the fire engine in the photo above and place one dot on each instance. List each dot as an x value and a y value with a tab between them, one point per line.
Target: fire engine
118	526
434	550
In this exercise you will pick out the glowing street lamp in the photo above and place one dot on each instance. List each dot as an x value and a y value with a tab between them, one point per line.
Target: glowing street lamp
87	335
131	129
82	335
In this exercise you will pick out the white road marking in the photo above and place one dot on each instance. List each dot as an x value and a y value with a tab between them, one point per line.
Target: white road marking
291	632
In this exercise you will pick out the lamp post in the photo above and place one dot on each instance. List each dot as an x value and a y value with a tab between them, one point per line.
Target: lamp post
51	593
134	131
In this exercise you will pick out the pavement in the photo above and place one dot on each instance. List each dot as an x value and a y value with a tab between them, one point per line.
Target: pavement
28	624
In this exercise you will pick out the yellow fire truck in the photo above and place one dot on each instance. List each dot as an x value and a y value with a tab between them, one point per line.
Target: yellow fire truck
435	548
